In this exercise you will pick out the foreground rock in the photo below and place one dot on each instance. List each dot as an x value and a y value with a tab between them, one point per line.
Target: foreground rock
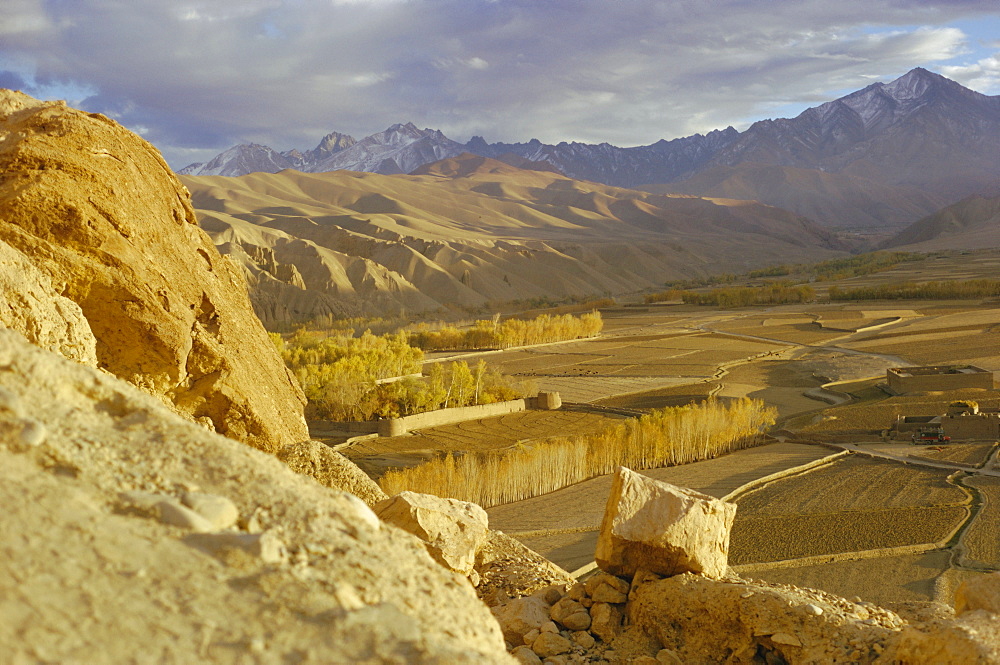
329	468
739	621
93	568
453	530
655	526
99	214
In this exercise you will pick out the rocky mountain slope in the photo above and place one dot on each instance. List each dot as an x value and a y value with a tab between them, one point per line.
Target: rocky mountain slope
469	231
921	138
103	261
883	156
972	223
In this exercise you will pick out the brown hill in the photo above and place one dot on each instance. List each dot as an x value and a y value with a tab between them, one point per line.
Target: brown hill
972	223
112	235
469	230
831	199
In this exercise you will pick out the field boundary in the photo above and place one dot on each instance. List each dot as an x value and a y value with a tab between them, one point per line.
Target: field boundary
784	473
858	555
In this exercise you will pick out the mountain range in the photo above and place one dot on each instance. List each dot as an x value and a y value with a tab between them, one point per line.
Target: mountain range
879	158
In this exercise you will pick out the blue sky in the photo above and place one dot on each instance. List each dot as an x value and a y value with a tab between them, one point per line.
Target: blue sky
197	76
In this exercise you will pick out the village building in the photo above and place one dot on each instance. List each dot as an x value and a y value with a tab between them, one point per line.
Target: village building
964	420
904	380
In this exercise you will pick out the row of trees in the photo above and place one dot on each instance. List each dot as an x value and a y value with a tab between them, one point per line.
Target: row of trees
665	437
953	290
343	377
739	296
497	334
832	269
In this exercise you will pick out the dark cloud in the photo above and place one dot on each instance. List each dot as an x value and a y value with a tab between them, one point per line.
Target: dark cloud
12	81
196	76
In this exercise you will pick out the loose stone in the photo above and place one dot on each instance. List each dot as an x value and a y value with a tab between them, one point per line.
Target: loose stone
550	644
220	511
172	512
526	656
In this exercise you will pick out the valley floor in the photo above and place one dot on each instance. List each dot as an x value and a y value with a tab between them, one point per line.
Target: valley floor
915	530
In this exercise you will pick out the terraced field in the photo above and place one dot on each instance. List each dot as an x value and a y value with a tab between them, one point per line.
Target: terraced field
903	578
757	539
981	542
853	484
968	454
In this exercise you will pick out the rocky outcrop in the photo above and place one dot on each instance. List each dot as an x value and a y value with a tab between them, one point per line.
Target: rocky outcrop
29	304
331	469
507	569
656	526
100	215
453	530
757	619
120	544
741	621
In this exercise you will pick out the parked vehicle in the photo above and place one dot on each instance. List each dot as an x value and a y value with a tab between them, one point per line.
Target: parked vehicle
930	435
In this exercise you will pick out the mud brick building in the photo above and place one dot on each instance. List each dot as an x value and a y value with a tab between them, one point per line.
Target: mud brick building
903	380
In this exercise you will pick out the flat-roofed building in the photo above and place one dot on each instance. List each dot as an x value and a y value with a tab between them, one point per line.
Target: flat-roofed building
904	380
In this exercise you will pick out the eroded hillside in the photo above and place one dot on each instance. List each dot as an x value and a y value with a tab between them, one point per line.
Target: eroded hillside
470	231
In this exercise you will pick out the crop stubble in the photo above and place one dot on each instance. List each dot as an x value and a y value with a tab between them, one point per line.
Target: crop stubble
981	541
850	505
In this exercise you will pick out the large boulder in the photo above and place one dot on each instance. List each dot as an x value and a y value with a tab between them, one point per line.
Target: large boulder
329	468
100	214
453	530
521	616
658	527
119	546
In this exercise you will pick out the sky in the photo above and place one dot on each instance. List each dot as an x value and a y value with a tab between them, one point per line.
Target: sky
195	77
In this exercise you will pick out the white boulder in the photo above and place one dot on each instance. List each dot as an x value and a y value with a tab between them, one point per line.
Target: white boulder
453	530
662	528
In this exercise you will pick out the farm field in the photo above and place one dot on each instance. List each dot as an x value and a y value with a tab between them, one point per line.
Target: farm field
562	525
768	538
980	543
903	578
874	416
878	523
374	456
970	454
852	484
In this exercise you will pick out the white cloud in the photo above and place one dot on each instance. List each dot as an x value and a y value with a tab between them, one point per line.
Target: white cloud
204	74
23	16
983	76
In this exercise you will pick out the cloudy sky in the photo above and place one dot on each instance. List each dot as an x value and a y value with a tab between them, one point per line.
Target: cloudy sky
197	76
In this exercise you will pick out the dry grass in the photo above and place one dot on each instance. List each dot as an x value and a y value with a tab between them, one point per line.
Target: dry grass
663	438
852	484
880	580
757	539
981	542
970	454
